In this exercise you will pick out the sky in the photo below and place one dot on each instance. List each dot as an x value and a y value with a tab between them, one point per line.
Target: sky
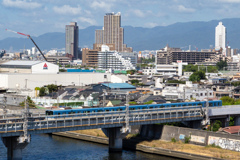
36	17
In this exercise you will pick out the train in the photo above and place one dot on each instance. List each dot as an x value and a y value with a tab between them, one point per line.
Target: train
215	103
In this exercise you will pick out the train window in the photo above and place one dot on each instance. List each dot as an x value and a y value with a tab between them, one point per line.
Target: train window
58	113
210	104
150	107
107	110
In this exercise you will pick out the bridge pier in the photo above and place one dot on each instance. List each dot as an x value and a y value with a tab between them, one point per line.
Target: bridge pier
115	138
225	122
14	147
237	121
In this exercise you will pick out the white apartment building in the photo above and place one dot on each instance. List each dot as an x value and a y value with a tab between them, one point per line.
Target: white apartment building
116	60
187	91
165	69
220	37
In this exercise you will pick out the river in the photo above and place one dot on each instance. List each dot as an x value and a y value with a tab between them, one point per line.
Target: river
51	147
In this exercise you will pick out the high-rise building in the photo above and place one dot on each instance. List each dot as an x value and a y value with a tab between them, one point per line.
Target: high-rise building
220	37
112	34
71	34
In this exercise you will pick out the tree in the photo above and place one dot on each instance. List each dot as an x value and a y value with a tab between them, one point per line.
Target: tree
190	68
216	125
42	91
134	81
227	100
131	71
52	88
220	65
30	102
197	76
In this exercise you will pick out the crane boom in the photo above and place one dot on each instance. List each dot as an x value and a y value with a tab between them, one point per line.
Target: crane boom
31	40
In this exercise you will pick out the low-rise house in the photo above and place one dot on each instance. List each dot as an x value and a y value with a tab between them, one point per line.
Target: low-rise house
113	87
157	91
230	130
217	80
186	91
236	92
221	90
141	78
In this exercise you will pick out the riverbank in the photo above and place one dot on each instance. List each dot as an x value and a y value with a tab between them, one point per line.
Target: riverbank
177	149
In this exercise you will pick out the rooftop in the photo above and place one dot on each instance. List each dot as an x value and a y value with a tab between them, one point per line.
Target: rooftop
231	129
119	85
24	63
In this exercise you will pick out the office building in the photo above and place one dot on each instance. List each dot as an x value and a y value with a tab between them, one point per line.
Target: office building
72	39
89	57
220	37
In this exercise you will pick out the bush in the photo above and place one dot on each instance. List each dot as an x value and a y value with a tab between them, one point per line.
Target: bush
187	139
213	145
149	102
227	100
173	140
133	102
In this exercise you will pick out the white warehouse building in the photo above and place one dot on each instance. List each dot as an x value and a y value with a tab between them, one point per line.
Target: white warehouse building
28	82
24	76
34	67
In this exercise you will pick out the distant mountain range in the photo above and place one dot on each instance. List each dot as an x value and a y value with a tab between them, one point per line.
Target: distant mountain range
197	34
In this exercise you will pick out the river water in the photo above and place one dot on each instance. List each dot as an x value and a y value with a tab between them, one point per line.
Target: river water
50	147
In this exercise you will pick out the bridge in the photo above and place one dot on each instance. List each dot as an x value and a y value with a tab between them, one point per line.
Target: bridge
15	132
224	114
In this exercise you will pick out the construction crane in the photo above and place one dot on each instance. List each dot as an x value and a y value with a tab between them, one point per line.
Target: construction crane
31	40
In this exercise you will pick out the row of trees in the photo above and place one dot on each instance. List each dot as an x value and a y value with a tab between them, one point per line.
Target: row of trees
48	89
212	69
194	68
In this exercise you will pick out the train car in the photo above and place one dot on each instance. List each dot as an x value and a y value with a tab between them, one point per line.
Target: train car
167	106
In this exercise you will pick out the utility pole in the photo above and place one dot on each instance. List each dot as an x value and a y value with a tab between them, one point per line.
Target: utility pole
25	137
127	128
4	106
183	94
57	99
207	109
104	98
26	83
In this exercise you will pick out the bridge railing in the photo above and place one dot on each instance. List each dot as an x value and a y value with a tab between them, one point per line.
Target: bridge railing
96	119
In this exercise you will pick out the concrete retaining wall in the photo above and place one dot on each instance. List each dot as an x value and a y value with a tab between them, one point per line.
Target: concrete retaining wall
83	137
200	137
133	145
